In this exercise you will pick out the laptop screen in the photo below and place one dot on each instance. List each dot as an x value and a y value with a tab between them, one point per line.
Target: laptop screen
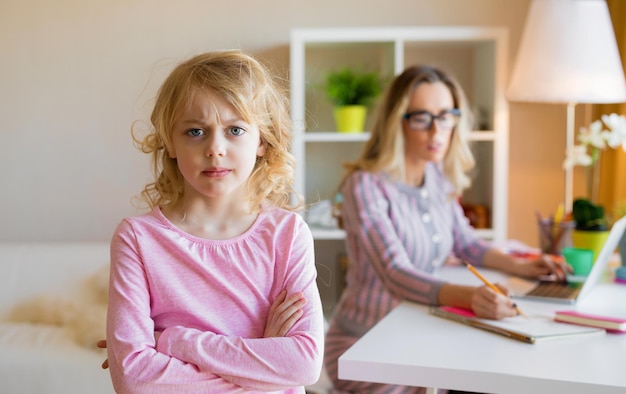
599	266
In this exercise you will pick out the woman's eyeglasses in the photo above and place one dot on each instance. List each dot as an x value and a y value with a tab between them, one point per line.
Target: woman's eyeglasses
424	120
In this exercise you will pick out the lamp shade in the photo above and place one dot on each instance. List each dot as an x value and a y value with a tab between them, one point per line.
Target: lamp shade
568	54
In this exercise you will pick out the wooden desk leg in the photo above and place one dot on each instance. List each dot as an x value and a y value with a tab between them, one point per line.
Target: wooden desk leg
431	390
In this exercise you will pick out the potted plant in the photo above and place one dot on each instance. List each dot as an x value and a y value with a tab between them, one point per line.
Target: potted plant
588	216
351	92
591	226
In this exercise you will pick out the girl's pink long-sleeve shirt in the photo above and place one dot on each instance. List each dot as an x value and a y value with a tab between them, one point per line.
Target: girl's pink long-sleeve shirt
209	299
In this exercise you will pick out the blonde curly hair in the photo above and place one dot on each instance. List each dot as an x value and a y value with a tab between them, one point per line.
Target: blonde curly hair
256	96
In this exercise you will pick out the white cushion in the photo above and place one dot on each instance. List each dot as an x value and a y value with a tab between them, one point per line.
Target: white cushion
45	359
42	358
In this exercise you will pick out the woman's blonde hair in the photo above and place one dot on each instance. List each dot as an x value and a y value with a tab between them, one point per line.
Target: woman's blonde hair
256	96
384	151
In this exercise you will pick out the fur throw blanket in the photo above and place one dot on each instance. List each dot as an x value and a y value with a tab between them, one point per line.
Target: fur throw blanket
82	314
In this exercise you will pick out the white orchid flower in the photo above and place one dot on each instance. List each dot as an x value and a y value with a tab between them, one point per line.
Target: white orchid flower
617	124
594	140
615	139
577	155
615	121
593	136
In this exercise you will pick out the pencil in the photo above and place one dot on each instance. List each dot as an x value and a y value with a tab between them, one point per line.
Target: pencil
489	284
545	232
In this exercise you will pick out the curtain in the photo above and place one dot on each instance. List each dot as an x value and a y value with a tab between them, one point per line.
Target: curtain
612	188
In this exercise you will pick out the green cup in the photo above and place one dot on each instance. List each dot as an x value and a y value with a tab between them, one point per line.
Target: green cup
581	260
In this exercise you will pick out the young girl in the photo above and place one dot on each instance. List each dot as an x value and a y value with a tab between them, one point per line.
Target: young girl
213	290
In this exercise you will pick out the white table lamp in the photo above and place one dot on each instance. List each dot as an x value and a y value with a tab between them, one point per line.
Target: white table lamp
568	55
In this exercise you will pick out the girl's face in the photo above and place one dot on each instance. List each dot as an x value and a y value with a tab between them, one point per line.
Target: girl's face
427	139
214	148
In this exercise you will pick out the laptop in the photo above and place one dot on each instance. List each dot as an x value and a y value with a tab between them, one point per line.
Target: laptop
576	287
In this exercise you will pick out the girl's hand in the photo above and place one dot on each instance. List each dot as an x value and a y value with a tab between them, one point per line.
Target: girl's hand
283	314
102	344
488	304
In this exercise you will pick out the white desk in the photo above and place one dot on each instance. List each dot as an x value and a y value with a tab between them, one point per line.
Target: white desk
411	347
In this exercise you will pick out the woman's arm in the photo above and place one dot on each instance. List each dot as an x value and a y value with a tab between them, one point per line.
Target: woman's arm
544	265
487	303
469	247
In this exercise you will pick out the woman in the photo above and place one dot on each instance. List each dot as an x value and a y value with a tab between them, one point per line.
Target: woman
403	219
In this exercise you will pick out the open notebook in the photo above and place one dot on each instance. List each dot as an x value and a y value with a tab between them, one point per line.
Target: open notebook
537	327
576	288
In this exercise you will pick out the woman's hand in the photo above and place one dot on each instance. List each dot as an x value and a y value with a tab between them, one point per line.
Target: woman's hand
484	301
542	267
532	267
283	314
488	304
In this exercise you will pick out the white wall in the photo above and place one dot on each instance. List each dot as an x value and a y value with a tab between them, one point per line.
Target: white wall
75	74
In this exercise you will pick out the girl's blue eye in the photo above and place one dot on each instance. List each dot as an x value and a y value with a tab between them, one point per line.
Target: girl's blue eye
236	131
195	132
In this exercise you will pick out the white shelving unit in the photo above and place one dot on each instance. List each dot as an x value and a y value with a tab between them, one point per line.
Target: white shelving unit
476	56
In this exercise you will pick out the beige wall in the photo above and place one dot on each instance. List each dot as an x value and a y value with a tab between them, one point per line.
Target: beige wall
74	74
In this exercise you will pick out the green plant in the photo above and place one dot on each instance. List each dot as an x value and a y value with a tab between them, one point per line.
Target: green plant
588	216
349	87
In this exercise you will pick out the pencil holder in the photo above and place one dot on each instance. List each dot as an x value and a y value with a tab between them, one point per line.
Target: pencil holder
554	237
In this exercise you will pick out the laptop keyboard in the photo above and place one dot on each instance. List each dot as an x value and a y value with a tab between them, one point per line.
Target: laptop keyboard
556	290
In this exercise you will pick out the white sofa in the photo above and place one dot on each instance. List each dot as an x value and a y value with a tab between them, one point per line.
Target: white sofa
45	358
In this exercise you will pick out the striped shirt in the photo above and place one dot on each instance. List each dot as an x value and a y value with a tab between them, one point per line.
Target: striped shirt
397	238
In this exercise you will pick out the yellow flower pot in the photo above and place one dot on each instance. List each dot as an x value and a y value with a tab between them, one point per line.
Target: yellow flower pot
593	240
350	118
